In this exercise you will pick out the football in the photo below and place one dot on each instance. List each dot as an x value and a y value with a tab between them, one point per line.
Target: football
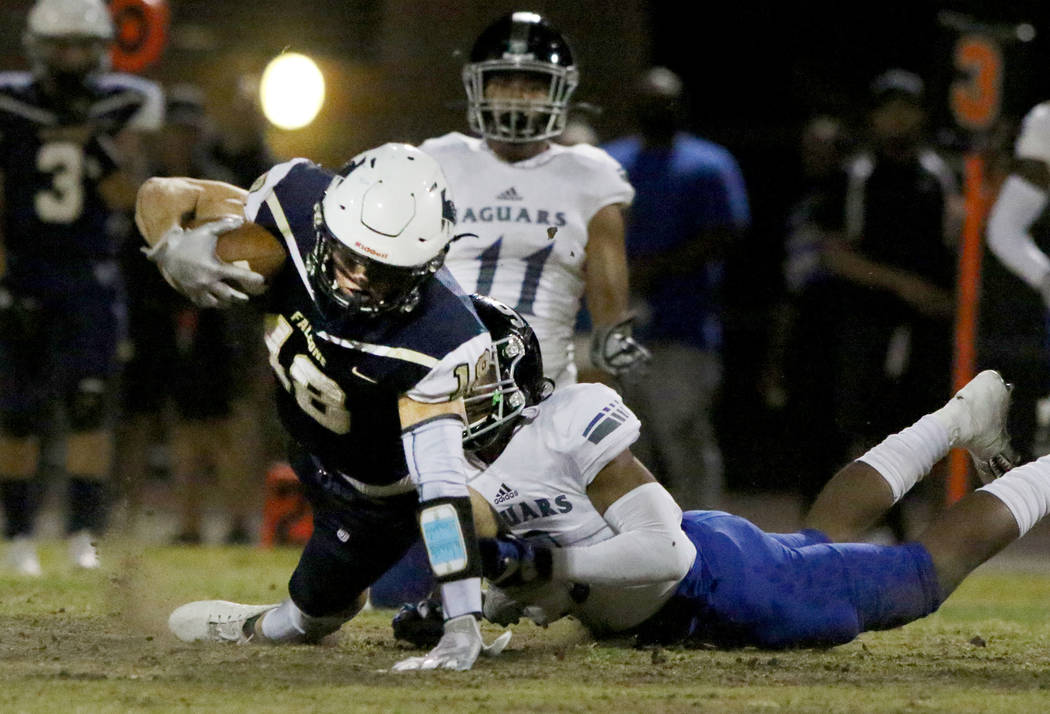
252	244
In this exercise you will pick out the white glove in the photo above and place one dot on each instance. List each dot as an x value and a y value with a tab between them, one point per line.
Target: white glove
616	352
187	260
458	648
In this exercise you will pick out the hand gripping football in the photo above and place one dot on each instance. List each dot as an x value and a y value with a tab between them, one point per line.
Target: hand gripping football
252	244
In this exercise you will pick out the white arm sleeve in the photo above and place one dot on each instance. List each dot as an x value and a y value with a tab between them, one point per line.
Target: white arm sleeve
1018	205
434	453
649	545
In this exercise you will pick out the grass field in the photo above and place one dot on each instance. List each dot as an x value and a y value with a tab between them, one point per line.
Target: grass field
97	642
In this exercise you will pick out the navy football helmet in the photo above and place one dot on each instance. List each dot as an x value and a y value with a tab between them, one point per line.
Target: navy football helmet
514	379
521	43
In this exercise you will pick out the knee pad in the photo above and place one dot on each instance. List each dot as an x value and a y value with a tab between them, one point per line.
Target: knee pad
86	405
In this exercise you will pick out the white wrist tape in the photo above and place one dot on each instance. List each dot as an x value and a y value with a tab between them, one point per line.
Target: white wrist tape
649	547
1016	209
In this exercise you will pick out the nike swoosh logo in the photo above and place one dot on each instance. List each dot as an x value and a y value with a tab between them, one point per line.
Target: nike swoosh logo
356	373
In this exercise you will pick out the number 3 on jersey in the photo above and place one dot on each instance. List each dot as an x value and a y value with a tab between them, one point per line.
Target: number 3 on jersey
317	394
63	200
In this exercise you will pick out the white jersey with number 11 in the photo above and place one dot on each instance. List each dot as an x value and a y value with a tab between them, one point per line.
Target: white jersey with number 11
531	221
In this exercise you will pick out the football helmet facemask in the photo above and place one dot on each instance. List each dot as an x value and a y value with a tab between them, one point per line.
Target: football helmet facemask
382	228
512	381
67	41
521	43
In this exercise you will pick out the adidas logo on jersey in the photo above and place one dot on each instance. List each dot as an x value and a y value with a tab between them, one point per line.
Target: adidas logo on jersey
511	194
504	494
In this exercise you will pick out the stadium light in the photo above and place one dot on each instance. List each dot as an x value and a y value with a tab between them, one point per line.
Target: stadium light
291	90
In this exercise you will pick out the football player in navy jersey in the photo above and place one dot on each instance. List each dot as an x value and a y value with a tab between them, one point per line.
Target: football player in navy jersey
589	533
61	309
373	346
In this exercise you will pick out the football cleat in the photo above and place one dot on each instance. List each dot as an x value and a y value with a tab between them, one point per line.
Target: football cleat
976	421
215	621
82	552
22	558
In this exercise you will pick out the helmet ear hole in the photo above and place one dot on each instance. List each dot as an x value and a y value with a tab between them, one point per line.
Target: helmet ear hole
496	406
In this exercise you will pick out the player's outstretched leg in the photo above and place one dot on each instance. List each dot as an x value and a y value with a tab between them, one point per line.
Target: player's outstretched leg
974	419
984	522
280	623
216	621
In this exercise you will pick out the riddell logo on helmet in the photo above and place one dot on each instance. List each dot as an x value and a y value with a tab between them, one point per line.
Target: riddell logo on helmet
371	251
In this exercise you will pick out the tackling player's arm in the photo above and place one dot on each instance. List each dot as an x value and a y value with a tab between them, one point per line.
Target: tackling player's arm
649	545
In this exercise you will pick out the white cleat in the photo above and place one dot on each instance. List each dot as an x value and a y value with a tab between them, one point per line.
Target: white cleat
976	421
214	621
82	552
22	558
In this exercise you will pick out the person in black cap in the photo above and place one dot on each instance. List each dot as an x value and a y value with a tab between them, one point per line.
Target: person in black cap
894	257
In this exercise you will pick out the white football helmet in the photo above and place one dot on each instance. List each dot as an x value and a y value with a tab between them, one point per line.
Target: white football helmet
52	22
383	227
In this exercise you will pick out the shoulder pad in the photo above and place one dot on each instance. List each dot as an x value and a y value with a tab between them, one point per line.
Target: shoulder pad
264	185
591	423
453	141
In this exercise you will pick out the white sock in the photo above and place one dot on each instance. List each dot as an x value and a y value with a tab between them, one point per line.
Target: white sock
283	624
460	597
1025	491
903	459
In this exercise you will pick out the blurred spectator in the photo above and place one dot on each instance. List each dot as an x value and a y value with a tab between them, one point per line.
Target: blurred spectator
183	357
807	322
1015	276
691	205
896	261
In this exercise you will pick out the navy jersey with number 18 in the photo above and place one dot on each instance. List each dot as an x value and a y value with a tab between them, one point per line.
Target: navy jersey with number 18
340	377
